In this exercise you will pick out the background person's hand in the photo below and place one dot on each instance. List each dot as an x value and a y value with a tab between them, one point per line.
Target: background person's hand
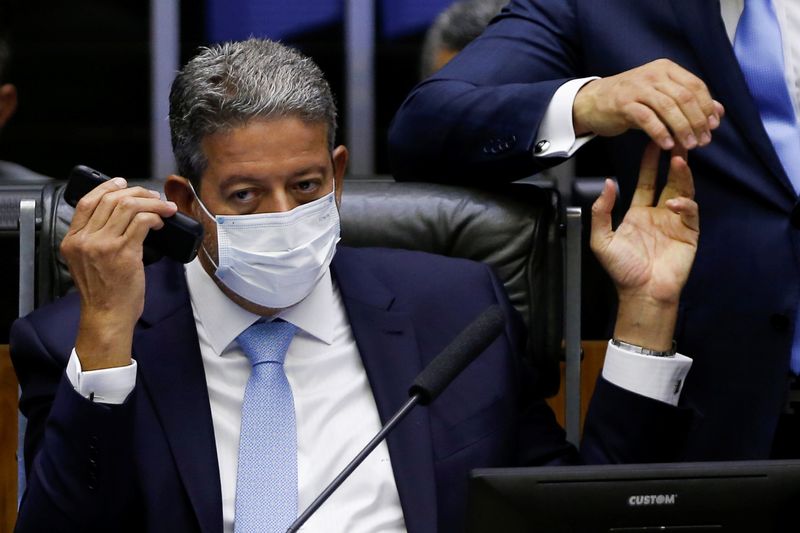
671	105
103	249
650	254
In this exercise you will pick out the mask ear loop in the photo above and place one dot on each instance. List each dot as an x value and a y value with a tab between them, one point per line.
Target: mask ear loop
202	205
212	217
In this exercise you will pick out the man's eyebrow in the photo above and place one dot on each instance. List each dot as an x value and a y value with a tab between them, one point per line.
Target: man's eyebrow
319	168
237	178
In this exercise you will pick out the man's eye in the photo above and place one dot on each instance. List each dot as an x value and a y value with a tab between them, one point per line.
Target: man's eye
243	195
306	186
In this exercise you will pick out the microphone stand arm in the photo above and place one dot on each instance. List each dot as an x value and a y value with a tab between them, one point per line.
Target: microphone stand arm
338	480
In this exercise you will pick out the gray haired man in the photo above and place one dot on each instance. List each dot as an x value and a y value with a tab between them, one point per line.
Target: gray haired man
223	395
453	29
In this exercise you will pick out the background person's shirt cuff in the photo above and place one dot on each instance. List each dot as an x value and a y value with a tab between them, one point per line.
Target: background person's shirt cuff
659	378
556	137
109	385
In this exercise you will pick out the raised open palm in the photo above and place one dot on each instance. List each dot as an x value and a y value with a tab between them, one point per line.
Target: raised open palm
650	254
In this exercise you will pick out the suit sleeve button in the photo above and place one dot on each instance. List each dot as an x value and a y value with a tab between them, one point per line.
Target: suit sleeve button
541	147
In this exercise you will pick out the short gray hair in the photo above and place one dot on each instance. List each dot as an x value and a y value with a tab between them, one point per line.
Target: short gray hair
228	85
455	27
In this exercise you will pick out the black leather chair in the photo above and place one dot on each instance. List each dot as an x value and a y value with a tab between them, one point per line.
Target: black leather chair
10	196
515	229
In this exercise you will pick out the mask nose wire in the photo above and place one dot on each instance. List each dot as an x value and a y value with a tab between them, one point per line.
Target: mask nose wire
214	218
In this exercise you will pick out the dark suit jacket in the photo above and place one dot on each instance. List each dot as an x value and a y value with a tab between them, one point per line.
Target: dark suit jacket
150	464
478	118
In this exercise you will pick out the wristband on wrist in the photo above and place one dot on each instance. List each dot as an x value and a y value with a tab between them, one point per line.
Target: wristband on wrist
642	350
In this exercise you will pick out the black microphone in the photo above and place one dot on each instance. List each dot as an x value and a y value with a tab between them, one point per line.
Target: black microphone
433	379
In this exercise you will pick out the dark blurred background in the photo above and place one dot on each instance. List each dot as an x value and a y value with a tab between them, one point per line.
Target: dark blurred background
82	68
83	74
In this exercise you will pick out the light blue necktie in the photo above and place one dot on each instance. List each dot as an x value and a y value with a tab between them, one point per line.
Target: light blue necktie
266	480
759	50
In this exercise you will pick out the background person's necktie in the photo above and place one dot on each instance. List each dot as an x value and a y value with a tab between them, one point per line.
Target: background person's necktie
266	480
759	49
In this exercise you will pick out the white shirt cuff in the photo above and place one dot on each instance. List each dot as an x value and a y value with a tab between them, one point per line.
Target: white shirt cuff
556	137
659	378
108	385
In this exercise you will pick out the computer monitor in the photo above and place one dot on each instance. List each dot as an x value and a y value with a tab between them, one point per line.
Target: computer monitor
745	496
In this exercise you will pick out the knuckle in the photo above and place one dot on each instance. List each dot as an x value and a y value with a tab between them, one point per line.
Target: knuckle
85	204
145	218
128	203
107	200
699	124
643	117
650	76
684	96
66	249
665	103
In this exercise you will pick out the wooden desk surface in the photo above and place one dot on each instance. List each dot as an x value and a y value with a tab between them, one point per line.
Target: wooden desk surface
8	442
594	353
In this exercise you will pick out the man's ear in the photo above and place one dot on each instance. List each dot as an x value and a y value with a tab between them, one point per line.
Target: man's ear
8	102
340	157
178	190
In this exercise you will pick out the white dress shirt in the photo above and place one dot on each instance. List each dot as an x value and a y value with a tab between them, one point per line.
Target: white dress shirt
556	129
334	406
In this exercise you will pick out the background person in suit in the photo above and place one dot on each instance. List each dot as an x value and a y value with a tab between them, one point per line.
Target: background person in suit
138	388
453	29
526	94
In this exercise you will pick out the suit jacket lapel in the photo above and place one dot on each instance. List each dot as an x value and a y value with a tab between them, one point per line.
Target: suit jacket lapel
168	354
704	29
388	348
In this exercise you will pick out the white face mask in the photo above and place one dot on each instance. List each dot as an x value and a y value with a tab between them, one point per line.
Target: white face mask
275	259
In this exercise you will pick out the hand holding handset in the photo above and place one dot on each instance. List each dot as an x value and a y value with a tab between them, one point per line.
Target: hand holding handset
178	239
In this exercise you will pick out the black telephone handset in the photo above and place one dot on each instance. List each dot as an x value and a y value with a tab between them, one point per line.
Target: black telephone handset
178	239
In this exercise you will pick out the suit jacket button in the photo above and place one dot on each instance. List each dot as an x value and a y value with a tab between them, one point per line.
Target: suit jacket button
541	146
779	322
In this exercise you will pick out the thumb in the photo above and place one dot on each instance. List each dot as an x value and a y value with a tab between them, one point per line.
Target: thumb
601	216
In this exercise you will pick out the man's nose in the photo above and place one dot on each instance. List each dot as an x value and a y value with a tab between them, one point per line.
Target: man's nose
277	202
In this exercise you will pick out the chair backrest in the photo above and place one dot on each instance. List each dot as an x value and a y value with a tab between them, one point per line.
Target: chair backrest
10	196
515	229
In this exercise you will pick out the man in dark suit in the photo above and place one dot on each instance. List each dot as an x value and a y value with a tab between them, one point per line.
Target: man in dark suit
526	94
139	389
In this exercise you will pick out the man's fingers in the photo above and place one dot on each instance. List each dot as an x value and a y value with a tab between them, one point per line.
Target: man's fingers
680	102
109	202
679	179
644	118
141	224
671	115
689	106
694	85
130	207
601	216
645	191
86	205
688	211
